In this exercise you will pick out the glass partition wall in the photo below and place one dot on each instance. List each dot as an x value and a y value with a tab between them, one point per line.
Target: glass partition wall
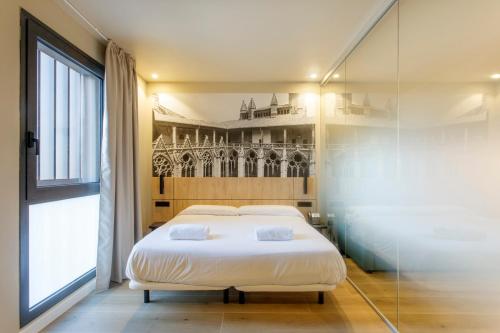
411	123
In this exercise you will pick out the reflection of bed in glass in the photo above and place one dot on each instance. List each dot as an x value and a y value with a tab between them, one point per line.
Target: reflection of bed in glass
437	238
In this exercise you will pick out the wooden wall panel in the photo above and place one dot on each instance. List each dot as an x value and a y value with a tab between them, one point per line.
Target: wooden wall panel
298	188
276	188
260	188
183	192
243	188
201	188
168	188
233	188
162	213
185	188
211	188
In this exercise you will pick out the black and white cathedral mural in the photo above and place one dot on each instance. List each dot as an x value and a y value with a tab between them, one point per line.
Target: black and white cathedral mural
234	135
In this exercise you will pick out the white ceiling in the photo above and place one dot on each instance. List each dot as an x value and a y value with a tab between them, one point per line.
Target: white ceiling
440	44
436	44
231	40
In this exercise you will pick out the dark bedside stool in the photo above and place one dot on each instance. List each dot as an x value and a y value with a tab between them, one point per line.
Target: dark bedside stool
323	229
155	225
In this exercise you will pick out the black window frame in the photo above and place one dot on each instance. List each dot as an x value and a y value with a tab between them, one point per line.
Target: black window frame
32	32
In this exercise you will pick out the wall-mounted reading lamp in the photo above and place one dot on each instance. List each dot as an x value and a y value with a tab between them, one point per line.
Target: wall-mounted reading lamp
306	174
162	185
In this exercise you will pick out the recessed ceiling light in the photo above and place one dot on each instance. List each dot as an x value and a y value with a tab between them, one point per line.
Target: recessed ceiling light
336	76
154	76
313	76
495	76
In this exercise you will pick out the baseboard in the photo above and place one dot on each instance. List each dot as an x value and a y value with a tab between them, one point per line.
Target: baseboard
59	309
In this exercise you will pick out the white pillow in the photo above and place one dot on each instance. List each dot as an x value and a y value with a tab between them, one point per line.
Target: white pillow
210	210
270	210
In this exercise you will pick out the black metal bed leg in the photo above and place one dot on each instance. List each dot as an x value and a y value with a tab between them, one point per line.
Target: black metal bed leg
321	297
226	296
241	297
146	296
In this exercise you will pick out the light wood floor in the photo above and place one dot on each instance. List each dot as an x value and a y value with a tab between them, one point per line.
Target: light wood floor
433	302
122	310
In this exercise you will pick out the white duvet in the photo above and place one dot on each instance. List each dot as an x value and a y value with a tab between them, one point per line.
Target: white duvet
232	256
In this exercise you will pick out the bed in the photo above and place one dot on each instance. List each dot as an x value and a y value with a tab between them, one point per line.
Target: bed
232	257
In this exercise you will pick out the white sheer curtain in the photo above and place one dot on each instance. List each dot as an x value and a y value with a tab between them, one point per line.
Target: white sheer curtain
119	215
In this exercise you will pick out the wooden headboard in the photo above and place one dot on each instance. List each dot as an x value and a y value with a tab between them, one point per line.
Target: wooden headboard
179	193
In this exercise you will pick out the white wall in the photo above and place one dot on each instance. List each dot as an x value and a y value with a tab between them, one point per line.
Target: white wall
54	16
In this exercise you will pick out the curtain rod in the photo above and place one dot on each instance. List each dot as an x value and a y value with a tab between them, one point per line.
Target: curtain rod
93	27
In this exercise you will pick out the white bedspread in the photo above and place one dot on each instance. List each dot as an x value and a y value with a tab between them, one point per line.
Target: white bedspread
232	256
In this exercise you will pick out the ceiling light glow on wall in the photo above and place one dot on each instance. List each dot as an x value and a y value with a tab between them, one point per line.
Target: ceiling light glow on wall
154	76
313	76
336	76
495	76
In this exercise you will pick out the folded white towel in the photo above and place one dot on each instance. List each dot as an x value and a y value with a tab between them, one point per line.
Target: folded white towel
188	232
274	233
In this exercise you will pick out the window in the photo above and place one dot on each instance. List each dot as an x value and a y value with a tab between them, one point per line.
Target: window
272	164
283	111
207	164
162	165
223	163
69	120
297	165
251	164
233	163
188	165
62	104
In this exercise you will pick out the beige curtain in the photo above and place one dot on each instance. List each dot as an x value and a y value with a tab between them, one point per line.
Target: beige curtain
119	216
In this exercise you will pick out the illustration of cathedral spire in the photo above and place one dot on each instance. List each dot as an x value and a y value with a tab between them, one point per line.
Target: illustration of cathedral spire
274	106
251	108
274	100
243	110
